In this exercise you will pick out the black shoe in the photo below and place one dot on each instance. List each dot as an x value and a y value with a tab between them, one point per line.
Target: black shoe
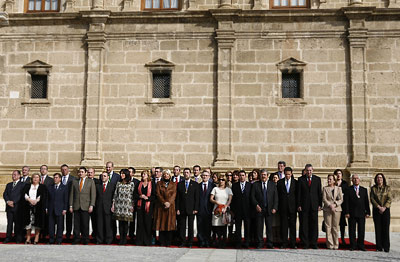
351	249
75	242
270	246
362	249
387	250
51	242
379	249
85	242
181	245
58	243
283	247
259	246
293	246
7	240
314	247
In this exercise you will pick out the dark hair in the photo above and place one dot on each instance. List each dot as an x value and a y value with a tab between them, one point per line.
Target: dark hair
242	171
307	166
282	163
178	167
288	168
376	178
83	168
133	169
197	166
337	171
186	168
57	174
45	166
64	165
19	172
127	175
160	168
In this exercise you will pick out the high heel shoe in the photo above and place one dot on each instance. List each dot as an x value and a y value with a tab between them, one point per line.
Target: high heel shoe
35	242
27	242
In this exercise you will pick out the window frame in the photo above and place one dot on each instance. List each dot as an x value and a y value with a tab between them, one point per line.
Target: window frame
159	66
143	6
42	8
307	6
36	68
288	66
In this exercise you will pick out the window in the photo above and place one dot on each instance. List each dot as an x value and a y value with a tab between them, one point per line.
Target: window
161	84
159	90
37	83
39	86
160	4
289	3
42	5
291	86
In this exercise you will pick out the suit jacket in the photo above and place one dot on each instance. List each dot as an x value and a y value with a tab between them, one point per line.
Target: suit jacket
309	197
48	181
187	201
115	178
241	202
104	199
257	196
287	201
205	206
57	200
356	206
329	199
27	180
13	194
82	200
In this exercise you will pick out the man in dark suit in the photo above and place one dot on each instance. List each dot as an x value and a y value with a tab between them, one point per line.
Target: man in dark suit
205	210
81	202
113	177
25	175
91	174
240	206
104	198
12	196
132	224
46	180
56	208
281	168
356	208
66	180
187	205
287	195
309	198
264	199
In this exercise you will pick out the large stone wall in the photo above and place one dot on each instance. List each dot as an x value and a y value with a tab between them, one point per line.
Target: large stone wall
226	109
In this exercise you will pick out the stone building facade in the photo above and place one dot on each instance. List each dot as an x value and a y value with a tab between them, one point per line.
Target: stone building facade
226	61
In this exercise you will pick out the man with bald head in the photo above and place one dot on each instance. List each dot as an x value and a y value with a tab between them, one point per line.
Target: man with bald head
356	208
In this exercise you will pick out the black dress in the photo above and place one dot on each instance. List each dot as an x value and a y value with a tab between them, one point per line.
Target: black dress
342	223
144	218
39	210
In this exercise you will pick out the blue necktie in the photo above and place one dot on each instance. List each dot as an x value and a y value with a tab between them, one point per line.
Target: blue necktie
187	185
265	194
287	186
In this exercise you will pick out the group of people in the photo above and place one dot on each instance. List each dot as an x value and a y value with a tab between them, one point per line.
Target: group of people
223	206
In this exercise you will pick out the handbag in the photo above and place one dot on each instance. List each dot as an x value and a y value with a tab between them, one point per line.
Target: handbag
323	226
227	217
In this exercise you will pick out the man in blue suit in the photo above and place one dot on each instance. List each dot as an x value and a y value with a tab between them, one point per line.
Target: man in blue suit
57	206
205	210
113	177
12	197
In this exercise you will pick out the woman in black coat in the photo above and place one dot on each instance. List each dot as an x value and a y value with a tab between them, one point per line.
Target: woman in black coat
343	184
144	196
33	208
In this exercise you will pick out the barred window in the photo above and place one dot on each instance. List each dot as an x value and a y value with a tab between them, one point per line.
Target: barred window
39	86
42	5
290	85
160	4
161	84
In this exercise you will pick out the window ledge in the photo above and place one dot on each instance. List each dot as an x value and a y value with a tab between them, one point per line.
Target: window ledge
160	102
290	101
36	102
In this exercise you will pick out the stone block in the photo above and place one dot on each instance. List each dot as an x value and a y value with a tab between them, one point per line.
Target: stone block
13	146
274	158
36	135
118	158
337	137
313	112
62	113
307	136
13	158
267	56
253	136
334	161
139	58
279	136
247	89
245	57
302	160
243	112
57	135
61	58
297	148
20	124
40	158
152	136
38	147
386	161
246	160
38	113
379	55
196	148
200	112
168	45
10	135
199	159
291	113
188	45
173	136
289	124
201	136
384	113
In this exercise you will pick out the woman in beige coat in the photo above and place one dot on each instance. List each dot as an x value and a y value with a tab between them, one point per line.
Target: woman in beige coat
332	199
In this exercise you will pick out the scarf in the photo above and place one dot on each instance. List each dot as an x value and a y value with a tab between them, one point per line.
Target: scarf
147	204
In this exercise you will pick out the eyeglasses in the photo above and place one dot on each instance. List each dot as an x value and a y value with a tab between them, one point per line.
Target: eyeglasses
221	179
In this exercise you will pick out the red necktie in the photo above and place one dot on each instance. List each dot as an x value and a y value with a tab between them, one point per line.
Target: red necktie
309	181
42	179
104	187
204	189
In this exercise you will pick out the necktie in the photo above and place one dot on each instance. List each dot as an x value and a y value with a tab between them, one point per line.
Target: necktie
109	178
64	180
357	191
265	194
287	186
104	187
187	185
56	187
242	184
80	185
14	183
309	181
204	188
42	180
176	180
22	179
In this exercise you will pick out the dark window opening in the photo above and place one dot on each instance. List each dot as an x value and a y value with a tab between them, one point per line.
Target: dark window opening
290	85
39	86
161	84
